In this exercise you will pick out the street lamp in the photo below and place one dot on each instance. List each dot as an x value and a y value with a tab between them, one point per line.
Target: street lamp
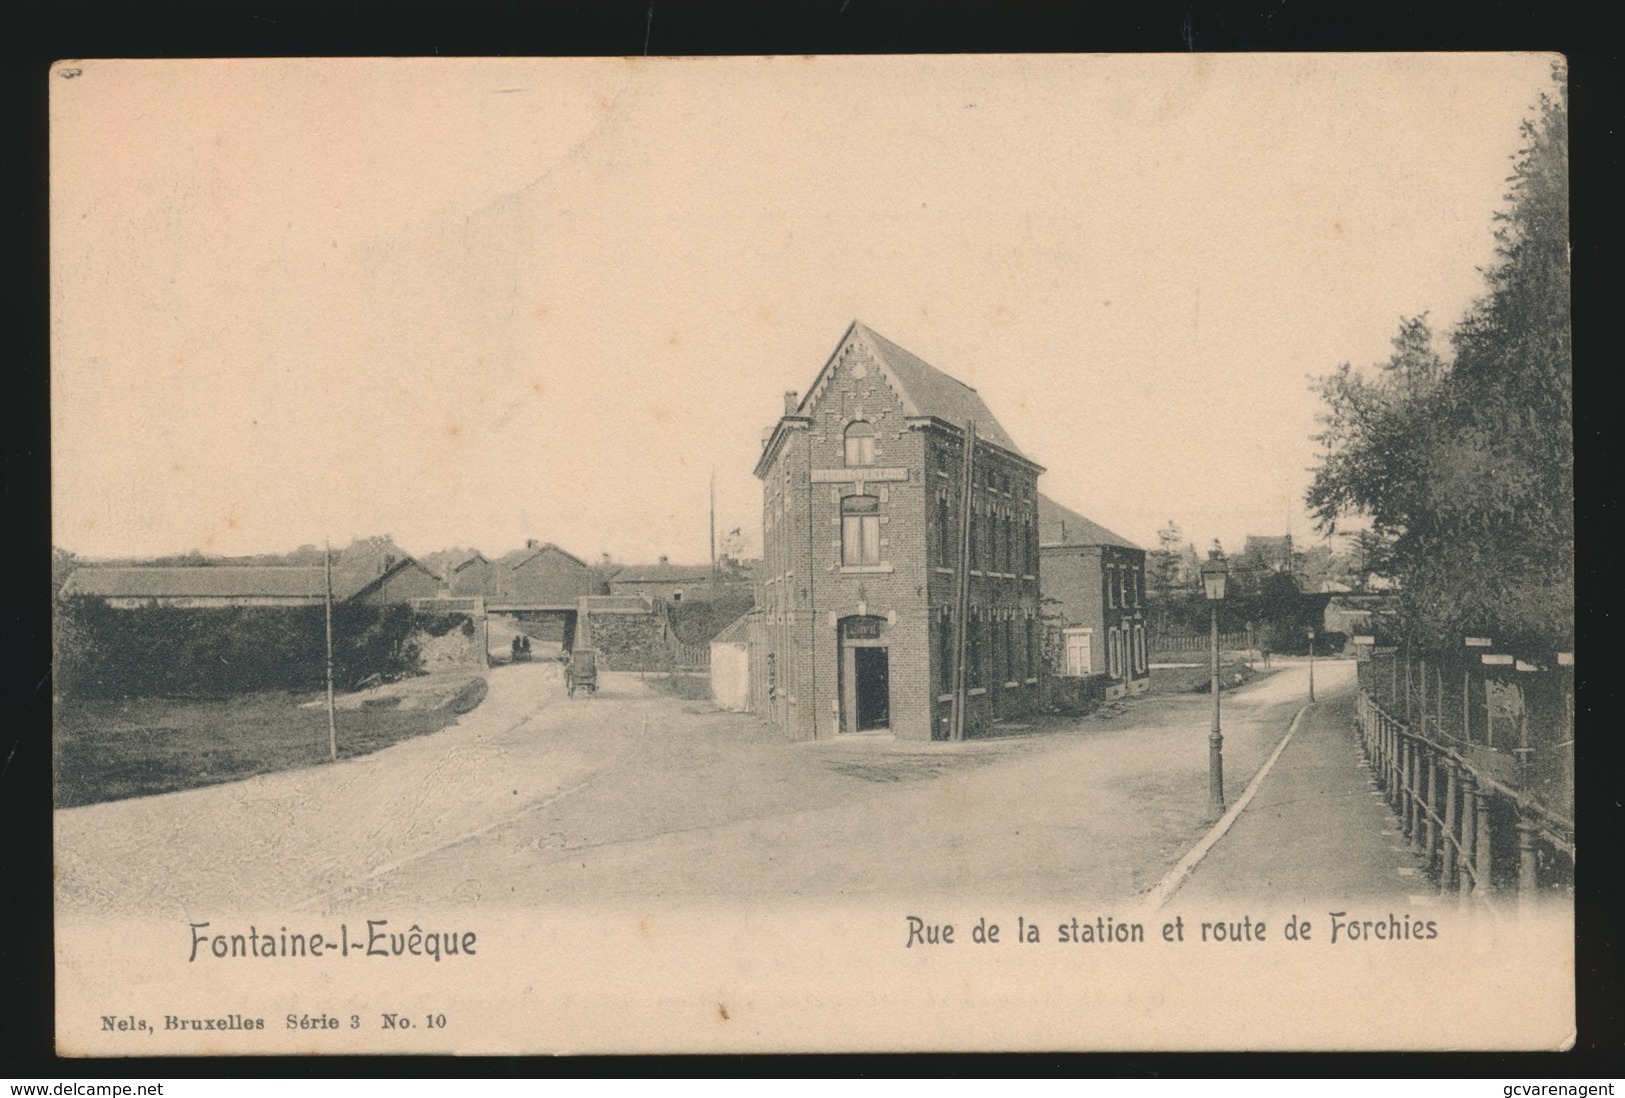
1311	632
1214	574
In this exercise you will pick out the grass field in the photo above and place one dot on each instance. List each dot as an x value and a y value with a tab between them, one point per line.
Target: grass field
108	750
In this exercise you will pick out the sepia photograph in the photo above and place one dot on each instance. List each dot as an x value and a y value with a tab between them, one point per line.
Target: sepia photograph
812	554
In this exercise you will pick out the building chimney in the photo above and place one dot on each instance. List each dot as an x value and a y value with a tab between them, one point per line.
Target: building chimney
663	559
792	401
532	543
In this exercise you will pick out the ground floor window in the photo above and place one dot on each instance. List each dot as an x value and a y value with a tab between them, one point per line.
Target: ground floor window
1079	657
1114	654
1139	649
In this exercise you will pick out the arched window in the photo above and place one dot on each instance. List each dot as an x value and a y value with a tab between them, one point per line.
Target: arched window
860	530
860	443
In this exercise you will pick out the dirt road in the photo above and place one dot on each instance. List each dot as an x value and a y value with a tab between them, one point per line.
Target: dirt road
634	796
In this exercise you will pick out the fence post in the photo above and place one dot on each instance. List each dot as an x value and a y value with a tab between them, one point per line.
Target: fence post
1396	789
1402	769
1482	885
1469	828
1451	850
1419	817
1407	683
1413	790
1430	806
1438	704
1422	696
1466	705
1526	862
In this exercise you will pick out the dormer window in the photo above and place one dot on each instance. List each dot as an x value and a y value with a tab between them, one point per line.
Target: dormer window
860	443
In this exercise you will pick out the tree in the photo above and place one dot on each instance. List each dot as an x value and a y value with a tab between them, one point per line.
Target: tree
1164	561
1466	472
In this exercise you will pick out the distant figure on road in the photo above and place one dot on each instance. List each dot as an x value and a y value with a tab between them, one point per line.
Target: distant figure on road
516	648
1264	655
524	645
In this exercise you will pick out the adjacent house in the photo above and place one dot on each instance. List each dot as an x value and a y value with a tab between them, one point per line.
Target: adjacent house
540	576
1094	591
198	587
473	575
898	589
730	665
662	581
1273	551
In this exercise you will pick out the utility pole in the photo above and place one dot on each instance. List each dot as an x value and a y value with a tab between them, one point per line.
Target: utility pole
967	495
327	606
714	576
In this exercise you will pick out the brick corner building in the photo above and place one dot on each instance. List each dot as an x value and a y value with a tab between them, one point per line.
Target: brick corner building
881	609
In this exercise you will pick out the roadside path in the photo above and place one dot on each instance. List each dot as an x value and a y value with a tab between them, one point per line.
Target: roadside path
1316	830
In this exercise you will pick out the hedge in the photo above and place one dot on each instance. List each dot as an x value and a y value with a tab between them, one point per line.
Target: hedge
169	651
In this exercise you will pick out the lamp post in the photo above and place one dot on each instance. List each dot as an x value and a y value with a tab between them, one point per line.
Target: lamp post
1311	632
1214	574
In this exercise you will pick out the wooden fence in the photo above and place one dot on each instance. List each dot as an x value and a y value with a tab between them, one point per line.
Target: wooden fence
1182	645
688	657
1469	811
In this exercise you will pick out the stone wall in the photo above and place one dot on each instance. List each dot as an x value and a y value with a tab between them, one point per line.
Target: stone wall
454	651
631	642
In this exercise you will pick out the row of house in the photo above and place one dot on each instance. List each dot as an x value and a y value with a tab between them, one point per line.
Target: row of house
220	586
539	577
913	578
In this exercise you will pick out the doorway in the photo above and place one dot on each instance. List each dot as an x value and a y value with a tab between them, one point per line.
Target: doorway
873	689
865	677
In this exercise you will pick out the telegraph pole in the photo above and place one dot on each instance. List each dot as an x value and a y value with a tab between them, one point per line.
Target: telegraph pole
714	576
967	495
327	606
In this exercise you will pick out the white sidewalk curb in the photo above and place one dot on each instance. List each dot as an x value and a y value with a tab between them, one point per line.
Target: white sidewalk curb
1176	877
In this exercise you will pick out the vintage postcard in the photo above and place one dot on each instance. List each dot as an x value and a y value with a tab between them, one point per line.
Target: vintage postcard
774	554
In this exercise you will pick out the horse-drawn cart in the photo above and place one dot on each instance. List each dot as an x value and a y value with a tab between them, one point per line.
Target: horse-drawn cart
581	672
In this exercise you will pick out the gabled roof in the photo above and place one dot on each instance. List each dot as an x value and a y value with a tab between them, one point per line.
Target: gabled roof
475	557
663	573
519	556
737	631
230	581
200	581
923	389
349	584
1059	525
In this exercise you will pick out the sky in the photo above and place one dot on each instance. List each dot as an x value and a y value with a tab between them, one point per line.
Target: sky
467	302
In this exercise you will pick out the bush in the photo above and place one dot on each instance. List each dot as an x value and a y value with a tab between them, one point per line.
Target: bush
698	620
469	697
168	651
